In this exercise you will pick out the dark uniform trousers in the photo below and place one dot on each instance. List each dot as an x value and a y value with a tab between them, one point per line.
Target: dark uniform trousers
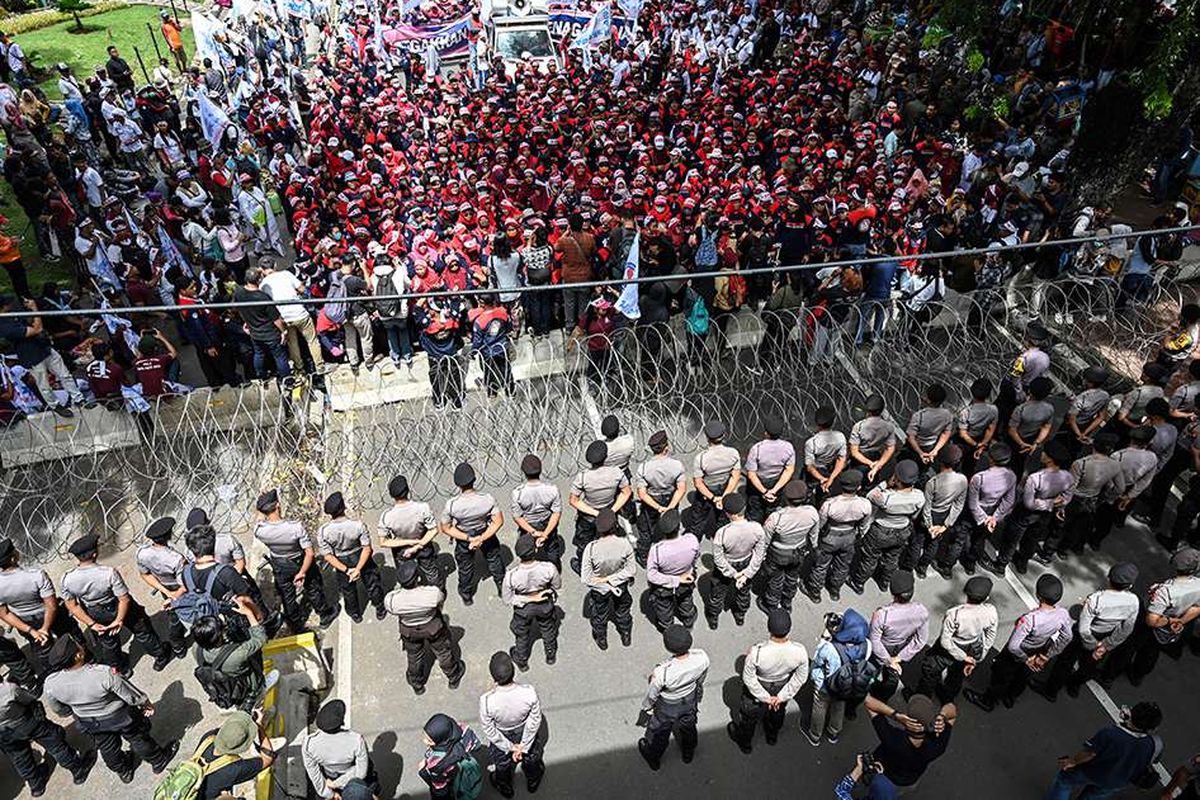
1022	536
606	606
19	669
128	724
834	554
1145	648
1108	517
1186	512
532	762
64	625
176	633
551	551
750	711
370	581
887	681
464	557
585	533
703	517
879	554
678	717
1077	528
647	522
106	648
941	675
427	566
446	381
722	588
544	617
295	608
975	548
674	604
783	568
758	507
420	640
923	548
15	740
1075	665
1010	675
1155	500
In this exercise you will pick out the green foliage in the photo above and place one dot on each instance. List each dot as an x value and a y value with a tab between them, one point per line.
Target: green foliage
974	60
1157	79
45	17
966	19
1000	108
74	8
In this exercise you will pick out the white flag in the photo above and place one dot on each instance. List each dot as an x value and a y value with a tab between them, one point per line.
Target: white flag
213	120
627	303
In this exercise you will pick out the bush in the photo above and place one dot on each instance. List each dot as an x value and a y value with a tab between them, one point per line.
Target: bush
44	17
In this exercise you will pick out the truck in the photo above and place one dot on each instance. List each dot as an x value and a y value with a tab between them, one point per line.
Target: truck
518	31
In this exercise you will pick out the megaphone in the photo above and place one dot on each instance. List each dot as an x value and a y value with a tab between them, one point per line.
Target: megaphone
520	8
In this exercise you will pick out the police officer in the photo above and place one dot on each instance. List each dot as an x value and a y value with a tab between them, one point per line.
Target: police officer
945	499
1098	478
1172	609
774	672
408	529
1132	411
1038	638
967	635
661	486
19	669
977	422
423	628
1032	363
872	442
531	588
473	521
22	722
791	533
537	510
107	707
293	565
671	573
716	473
1088	410
1044	499
511	716
593	490
159	566
739	548
673	697
1138	467
100	601
345	544
843	520
1030	423
620	454
930	427
335	757
899	631
1106	620
29	605
896	505
991	494
824	454
770	464
227	550
608	572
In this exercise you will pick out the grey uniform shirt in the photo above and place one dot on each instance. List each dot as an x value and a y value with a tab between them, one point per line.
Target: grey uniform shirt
945	496
22	591
416	606
93	585
738	541
1087	405
525	579
163	562
1108	616
16	704
1184	398
769	458
1097	475
895	508
1133	404
511	712
409	520
1042	631
1029	417
671	559
771	663
1138	467
969	630
228	550
536	502
599	487
1172	598
608	557
1029	366
823	449
1045	486
899	630
793	527
334	759
660	476
714	466
975	418
90	692
928	424
470	512
677	679
991	492
872	435
343	537
285	539
620	452
1163	443
846	513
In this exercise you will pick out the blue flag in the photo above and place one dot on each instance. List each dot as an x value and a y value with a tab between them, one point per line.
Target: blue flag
598	28
627	303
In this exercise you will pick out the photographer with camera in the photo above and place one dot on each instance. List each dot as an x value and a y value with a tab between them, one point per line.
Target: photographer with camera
867	773
910	740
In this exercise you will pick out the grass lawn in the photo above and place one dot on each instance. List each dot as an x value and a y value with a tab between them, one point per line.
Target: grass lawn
126	28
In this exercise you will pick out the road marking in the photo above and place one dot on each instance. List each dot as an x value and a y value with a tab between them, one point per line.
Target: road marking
343	684
589	403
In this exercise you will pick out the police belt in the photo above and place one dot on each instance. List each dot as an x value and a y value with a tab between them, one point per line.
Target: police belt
107	608
296	559
772	687
1085	504
540	606
110	723
840	529
349	558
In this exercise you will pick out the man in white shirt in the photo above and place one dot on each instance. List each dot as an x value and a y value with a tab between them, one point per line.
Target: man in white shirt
283	285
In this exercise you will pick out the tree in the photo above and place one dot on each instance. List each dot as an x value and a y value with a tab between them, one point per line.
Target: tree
73	7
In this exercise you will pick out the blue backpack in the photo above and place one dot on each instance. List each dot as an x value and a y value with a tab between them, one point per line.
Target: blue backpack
697	318
196	602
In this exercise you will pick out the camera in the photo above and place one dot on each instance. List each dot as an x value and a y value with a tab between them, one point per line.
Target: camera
870	767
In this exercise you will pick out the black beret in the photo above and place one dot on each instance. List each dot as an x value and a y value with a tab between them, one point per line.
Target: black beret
1106	441
609	427
907	472
332	716
1040	387
795	491
714	431
7	548
525	547
1186	561
677	639
950	455
160	529
850	480
978	588
1123	575
1156	373
197	516
668	522
267	501
999	453
596	453
1049	588
735	503
825	416
464	475
531	465
1096	375
902	582
779	622
398	487
85	545
657	440
773	425
874	404
406	573
335	504
501	667
1057	452
62	653
606	521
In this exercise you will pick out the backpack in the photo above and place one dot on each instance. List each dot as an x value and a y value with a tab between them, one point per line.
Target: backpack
196	602
697	318
335	312
468	780
225	690
186	779
853	678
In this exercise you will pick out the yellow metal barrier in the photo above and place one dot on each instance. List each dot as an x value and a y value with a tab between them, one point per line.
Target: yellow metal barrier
264	784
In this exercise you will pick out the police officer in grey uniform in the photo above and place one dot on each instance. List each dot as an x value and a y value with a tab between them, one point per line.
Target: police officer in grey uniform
293	565
739	548
991	494
1098	479
1042	502
770	463
160	566
671	573
844	519
608	572
967	635
620	454
345	544
773	674
824	454
1138	467
22	722
872	442
977	423
511	717
945	499
335	757
227	551
408	529
29	605
1088	411
537	510
672	701
531	588
661	486
1171	614
1031	422
929	428
716	473
107	707
898	632
473	521
423	628
99	600
791	533
1107	619
896	506
592	491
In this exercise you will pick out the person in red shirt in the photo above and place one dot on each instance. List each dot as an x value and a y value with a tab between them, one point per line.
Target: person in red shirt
105	376
153	366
